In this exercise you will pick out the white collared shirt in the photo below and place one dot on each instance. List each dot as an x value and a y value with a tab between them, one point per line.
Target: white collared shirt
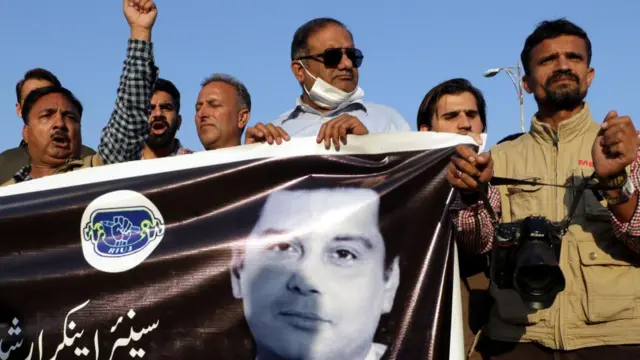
303	120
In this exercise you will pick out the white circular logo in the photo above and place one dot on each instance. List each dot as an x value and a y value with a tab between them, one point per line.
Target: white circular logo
119	230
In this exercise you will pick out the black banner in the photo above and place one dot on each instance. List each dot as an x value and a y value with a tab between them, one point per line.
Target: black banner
316	256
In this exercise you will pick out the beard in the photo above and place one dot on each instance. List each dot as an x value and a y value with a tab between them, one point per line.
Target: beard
567	96
160	141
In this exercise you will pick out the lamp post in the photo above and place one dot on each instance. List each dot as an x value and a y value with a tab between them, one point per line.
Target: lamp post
517	82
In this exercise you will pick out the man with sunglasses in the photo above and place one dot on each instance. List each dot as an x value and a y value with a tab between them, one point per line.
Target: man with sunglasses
325	62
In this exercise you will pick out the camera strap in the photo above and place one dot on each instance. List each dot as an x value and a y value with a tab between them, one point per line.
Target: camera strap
589	183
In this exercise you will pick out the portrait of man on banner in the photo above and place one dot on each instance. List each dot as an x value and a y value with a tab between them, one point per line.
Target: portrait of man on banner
316	274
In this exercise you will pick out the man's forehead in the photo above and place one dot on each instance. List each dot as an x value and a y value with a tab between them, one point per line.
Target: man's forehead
330	36
457	102
55	100
160	97
216	90
293	210
560	44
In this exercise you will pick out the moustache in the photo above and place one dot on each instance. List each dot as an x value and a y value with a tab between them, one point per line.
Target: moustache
562	74
160	119
60	135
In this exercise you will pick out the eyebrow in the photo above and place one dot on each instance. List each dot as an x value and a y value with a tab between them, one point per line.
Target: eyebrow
362	239
340	238
458	111
272	231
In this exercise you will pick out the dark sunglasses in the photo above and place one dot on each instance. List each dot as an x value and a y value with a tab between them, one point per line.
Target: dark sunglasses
331	57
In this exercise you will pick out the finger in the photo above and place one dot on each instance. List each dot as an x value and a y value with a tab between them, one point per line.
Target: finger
251	135
273	133
283	133
487	173
149	6
622	120
453	178
261	132
465	166
468	181
342	132
331	135
335	132
613	136
610	116
465	152
463	180
325	134
483	159
320	136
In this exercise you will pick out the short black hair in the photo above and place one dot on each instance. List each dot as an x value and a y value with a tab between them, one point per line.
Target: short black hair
450	87
38	74
168	87
299	45
36	94
551	29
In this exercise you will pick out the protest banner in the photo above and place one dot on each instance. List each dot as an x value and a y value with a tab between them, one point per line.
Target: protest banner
289	251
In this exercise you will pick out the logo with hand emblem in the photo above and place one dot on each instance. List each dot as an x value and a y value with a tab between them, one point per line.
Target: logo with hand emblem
120	230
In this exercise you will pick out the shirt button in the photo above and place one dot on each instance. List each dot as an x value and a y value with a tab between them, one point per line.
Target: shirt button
593	256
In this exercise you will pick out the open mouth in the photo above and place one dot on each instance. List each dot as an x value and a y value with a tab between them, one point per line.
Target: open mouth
158	127
61	141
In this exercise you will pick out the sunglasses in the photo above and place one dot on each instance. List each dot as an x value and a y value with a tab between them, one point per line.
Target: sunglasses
331	57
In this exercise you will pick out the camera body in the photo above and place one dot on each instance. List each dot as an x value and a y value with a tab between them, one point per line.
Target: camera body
525	258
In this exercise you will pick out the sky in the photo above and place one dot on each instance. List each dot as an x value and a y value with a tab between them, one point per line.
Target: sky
408	46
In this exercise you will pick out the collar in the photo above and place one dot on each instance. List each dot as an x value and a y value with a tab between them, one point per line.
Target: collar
178	149
567	130
24	173
376	351
301	107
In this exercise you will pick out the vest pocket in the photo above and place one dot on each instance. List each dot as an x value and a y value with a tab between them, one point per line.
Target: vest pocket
525	200
611	283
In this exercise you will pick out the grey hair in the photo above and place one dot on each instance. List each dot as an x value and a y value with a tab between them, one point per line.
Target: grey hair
244	98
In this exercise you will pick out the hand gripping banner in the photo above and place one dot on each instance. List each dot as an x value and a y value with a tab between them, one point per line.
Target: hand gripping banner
254	252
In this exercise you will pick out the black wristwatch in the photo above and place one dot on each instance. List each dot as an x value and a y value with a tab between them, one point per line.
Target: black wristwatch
617	182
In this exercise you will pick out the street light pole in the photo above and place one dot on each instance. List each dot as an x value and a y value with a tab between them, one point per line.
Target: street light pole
517	83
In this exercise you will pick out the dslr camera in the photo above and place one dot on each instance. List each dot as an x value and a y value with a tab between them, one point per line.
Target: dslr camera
525	258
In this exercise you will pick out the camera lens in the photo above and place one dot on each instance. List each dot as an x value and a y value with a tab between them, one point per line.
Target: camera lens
537	277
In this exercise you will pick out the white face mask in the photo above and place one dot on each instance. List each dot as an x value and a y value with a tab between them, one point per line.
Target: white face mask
327	96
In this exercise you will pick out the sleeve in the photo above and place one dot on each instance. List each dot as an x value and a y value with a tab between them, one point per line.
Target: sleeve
473	227
629	232
397	122
123	137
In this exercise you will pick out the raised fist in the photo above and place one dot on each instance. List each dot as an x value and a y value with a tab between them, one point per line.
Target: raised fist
140	14
120	229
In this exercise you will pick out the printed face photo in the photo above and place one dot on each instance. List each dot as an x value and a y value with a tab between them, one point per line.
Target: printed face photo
314	277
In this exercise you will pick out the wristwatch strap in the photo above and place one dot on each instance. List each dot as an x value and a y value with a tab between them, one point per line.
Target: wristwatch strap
626	192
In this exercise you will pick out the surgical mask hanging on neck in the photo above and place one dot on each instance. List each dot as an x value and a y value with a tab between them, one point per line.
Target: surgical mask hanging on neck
327	96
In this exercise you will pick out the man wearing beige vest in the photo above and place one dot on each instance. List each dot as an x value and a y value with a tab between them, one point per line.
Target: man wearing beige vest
597	313
52	114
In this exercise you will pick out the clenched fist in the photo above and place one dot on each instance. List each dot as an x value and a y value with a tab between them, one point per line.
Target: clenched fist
615	146
141	15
